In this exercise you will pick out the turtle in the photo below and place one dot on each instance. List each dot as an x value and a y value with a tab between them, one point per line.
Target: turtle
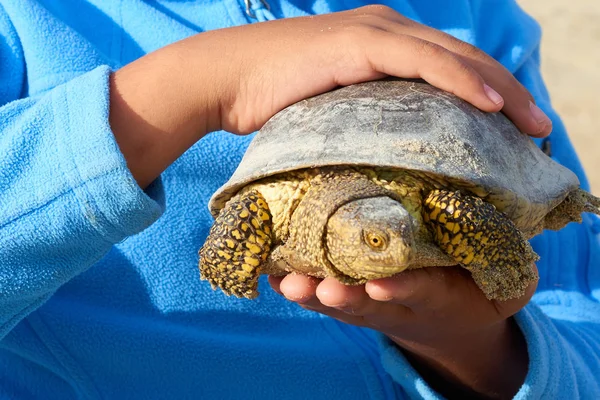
368	180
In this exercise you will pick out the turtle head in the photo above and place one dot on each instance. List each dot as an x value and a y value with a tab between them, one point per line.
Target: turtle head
370	238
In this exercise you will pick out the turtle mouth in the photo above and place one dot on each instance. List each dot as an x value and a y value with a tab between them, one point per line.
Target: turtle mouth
373	269
379	271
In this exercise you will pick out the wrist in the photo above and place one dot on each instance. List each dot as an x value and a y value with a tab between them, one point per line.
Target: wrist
159	108
490	363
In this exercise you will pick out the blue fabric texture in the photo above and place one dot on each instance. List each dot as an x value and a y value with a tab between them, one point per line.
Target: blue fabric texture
99	290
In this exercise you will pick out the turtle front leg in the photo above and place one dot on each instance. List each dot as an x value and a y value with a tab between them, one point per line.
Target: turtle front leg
238	244
482	240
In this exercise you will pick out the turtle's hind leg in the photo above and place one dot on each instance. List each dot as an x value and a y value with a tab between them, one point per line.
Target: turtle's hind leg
577	202
483	240
238	243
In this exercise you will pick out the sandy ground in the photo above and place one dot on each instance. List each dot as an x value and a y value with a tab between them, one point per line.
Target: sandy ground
571	68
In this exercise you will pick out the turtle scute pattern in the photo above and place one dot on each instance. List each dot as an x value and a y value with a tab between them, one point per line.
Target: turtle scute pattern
238	243
483	241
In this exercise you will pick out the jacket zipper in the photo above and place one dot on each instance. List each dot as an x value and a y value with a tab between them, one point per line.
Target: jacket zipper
259	10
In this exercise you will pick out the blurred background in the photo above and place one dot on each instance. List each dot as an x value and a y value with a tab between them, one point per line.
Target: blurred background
571	68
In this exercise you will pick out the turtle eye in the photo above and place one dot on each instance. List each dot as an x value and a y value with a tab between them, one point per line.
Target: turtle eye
376	240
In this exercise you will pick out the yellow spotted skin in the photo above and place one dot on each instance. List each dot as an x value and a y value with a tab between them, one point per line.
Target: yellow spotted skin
238	244
483	240
275	225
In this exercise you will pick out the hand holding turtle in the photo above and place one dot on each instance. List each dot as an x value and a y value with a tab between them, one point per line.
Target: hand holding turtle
458	340
236	79
310	197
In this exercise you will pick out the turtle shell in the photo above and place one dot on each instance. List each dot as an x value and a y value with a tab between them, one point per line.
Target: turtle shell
410	125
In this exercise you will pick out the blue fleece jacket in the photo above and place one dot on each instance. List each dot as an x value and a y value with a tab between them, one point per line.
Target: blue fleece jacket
99	289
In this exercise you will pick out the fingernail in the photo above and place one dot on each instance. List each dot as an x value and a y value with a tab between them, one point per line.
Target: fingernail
540	117
492	94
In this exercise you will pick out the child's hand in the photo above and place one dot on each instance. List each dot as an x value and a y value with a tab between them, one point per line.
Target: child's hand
269	66
237	78
456	338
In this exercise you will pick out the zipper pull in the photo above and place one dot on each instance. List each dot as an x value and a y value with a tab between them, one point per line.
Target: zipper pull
262	4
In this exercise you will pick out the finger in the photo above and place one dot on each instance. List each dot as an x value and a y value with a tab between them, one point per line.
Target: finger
431	287
300	289
350	299
396	289
519	105
410	57
510	307
354	301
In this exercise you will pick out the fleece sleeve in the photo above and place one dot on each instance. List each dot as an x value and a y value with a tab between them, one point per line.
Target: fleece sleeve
66	194
561	324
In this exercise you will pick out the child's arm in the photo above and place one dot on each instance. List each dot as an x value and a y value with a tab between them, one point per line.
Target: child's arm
65	193
69	191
